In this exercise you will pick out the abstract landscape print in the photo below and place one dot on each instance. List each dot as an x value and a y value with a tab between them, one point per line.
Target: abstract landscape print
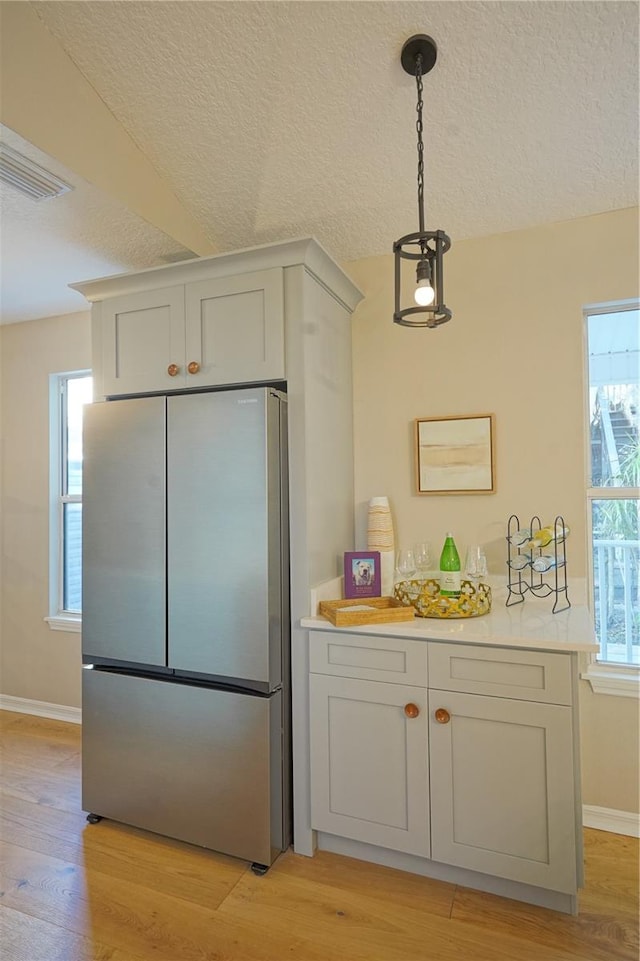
455	455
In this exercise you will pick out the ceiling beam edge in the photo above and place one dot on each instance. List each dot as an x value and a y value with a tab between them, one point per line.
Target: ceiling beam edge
47	101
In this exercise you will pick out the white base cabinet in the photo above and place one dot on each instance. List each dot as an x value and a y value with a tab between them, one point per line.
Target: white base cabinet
463	754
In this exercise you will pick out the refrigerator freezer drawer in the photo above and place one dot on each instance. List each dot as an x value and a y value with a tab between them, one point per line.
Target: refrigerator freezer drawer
197	764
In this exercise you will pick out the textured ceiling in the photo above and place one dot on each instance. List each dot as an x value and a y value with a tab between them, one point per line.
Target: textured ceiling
82	234
274	119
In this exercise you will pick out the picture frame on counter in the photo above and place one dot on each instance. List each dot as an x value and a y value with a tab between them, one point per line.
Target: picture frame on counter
362	576
455	454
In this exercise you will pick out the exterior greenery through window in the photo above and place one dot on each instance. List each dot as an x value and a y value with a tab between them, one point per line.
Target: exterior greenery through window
73	391
613	339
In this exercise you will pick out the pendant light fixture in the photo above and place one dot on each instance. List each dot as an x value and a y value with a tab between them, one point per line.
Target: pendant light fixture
426	248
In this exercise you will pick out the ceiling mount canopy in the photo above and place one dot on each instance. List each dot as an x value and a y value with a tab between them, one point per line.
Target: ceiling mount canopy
426	248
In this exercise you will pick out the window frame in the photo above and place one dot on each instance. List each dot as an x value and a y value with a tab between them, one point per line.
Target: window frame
605	677
58	618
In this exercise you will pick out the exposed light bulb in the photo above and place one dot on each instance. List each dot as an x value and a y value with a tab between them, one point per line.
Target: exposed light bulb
424	293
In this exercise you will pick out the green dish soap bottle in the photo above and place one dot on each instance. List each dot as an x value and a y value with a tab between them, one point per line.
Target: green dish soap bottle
450	568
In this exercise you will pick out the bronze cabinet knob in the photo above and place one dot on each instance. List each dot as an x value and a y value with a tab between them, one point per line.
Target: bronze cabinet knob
172	370
193	367
411	710
442	716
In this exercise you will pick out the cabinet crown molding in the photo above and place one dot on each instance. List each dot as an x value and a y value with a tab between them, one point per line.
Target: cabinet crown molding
303	251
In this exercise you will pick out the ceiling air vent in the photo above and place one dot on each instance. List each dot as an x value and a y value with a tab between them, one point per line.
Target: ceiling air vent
28	177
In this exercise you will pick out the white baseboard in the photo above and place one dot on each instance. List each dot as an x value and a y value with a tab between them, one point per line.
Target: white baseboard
607	819
57	712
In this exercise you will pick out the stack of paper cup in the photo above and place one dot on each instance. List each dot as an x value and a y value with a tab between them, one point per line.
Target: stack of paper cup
380	538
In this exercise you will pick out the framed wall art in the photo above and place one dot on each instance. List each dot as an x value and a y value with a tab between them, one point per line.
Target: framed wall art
455	455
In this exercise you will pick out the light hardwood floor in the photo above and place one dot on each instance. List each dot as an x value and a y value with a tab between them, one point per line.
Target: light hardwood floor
77	892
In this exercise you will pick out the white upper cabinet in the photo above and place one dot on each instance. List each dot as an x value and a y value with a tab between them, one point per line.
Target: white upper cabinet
235	329
225	330
142	337
263	315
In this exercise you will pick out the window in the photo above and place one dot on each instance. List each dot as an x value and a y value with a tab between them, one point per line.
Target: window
69	393
613	502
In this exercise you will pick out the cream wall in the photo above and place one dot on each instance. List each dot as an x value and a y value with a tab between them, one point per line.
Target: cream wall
514	348
516	335
36	662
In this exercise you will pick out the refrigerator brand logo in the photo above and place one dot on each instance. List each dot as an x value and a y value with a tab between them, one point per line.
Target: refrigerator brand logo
248	400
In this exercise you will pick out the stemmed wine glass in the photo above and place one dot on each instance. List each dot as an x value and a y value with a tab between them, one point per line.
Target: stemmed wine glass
476	563
422	554
405	565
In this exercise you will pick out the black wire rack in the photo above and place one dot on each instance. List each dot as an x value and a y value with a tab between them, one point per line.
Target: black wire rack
538	570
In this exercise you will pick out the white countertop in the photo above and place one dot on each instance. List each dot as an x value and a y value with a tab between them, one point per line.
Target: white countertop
528	625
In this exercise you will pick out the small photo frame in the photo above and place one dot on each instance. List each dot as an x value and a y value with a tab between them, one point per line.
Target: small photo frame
362	574
455	455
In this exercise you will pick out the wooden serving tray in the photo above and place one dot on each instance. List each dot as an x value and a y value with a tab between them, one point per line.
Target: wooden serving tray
368	610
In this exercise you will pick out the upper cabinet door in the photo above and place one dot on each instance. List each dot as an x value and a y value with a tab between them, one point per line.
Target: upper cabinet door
235	329
143	342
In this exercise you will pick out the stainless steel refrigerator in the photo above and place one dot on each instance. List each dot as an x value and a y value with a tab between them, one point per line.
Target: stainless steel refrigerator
185	623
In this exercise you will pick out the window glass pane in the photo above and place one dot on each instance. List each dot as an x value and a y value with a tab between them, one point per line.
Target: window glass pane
615	574
78	394
72	558
614	368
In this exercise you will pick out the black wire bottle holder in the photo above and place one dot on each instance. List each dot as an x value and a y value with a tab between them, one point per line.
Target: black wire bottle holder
524	578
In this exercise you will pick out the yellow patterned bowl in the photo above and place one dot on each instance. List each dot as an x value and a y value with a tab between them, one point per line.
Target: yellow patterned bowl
425	597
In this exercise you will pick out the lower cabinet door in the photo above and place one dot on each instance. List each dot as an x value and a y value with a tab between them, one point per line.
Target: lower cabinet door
502	788
369	767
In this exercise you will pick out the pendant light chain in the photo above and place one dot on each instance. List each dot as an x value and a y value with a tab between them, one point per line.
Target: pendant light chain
419	129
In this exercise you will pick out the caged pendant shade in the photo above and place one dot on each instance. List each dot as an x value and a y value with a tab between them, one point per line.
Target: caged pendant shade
421	252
